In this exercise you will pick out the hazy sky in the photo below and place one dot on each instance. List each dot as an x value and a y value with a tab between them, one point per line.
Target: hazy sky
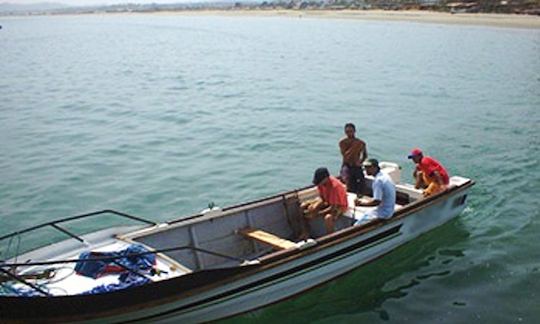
93	2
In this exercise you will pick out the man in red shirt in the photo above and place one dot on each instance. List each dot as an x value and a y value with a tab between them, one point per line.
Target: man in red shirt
331	203
429	174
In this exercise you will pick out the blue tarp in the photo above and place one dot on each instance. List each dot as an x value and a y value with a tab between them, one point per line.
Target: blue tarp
127	259
141	264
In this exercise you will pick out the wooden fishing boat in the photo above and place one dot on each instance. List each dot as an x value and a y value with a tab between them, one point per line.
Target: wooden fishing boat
208	266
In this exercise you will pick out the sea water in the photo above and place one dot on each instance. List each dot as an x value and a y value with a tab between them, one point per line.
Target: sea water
159	115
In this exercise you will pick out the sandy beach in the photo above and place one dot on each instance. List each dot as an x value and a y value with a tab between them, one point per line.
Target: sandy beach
496	20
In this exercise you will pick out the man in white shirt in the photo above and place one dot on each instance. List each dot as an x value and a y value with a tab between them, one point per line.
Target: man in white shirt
384	194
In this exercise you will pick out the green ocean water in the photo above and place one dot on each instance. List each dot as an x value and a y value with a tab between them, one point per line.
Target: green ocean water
159	115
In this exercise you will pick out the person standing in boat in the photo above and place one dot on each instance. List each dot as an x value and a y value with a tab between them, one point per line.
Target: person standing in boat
429	173
331	203
384	194
354	152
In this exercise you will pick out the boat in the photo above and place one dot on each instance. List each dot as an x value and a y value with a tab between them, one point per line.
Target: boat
212	265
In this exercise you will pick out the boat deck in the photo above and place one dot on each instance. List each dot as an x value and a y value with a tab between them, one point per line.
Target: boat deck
63	280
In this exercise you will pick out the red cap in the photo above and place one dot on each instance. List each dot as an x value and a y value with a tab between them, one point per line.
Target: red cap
415	152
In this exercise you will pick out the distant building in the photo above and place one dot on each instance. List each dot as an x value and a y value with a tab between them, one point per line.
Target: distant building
461	7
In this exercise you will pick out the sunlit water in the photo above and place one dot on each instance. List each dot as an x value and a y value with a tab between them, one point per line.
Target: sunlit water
158	115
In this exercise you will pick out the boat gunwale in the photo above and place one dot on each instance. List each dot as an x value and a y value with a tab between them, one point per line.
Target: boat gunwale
224	212
241	207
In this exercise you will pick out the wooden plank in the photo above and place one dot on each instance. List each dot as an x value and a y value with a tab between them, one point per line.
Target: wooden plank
267	238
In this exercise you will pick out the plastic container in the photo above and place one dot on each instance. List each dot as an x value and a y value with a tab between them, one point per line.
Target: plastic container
392	169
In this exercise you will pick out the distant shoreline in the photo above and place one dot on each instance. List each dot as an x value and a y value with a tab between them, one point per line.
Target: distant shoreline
421	16
417	16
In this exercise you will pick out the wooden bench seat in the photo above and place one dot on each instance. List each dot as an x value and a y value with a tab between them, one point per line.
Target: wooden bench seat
274	241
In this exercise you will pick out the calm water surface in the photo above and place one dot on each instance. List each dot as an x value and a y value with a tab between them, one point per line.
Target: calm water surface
158	115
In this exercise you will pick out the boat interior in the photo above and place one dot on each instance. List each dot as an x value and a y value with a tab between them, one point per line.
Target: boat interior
247	232
219	238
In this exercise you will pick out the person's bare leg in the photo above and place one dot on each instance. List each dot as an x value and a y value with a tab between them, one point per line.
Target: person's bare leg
420	183
309	211
329	223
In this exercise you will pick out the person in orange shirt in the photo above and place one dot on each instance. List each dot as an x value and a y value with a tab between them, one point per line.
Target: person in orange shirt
429	173
354	152
331	203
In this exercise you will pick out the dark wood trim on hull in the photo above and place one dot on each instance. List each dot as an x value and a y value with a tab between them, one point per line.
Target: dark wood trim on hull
93	307
88	307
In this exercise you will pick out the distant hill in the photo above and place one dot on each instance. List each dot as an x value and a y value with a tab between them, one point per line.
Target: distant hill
21	8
